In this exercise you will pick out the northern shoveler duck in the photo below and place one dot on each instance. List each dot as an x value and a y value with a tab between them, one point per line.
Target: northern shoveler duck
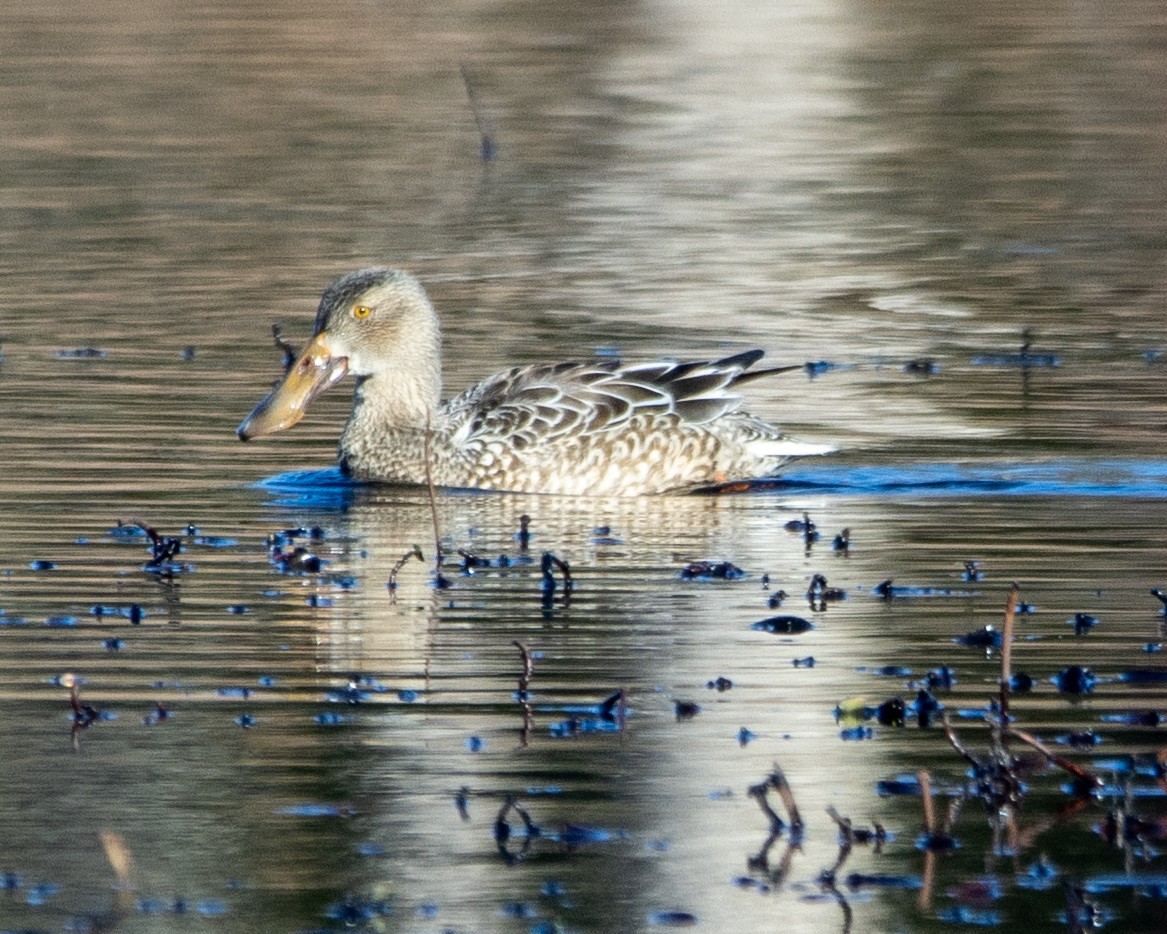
591	427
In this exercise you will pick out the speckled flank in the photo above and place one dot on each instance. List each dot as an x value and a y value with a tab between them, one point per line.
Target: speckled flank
644	455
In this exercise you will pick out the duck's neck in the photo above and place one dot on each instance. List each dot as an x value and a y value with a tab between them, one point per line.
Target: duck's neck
395	400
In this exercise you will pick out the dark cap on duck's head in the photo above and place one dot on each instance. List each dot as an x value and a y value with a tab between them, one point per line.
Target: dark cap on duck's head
344	290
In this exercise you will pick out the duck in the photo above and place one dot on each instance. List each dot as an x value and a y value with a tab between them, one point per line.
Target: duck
588	427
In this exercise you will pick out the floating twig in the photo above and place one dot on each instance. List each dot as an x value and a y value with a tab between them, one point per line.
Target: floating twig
549	563
283	347
163	548
528	667
502	830
776	780
391	584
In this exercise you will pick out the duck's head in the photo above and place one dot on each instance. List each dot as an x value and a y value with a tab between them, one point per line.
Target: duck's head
374	322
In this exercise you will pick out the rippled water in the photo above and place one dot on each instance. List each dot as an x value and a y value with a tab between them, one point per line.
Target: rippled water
902	195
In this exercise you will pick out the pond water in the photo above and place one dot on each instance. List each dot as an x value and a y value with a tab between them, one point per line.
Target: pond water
901	194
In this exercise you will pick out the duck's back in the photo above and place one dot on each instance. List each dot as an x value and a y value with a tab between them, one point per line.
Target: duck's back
597	427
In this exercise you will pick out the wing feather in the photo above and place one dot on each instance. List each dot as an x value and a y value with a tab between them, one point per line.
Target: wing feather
541	404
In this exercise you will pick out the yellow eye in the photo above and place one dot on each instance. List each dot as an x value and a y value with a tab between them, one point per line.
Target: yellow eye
362	311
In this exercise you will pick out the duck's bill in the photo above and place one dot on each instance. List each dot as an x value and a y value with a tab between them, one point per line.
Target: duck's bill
314	372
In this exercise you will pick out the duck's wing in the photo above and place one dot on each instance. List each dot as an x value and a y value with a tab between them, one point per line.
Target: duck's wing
543	403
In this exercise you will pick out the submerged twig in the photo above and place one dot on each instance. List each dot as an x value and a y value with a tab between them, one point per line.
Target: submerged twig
487	149
427	452
523	694
1007	649
1066	765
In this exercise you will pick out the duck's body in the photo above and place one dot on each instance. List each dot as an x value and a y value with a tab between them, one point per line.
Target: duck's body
592	427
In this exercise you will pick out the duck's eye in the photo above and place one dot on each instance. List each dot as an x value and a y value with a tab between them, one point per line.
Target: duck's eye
362	311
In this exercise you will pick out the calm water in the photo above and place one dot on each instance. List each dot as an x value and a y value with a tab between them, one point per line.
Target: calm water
858	184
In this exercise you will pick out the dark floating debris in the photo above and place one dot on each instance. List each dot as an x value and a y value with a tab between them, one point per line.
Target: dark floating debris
875	835
800	526
1025	359
602	535
359	689
1143	676
1074	680
609	716
462	803
940	679
357	912
41	564
299	560
819	593
783	625
472	562
286	349
81	353
503	832
686	710
922	366
710	570
672	919
523	535
819	367
163	550
804	527
986	638
549	563
391	584
719	684
82	714
887	590
1082	623
1149	718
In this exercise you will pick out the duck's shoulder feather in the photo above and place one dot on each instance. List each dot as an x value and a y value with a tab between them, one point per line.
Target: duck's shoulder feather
549	402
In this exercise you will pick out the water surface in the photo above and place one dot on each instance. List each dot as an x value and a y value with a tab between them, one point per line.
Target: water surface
901	194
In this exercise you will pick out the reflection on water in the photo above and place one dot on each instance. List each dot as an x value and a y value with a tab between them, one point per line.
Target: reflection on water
902	195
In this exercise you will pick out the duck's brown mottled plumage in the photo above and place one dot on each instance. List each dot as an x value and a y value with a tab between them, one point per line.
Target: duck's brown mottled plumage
592	427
